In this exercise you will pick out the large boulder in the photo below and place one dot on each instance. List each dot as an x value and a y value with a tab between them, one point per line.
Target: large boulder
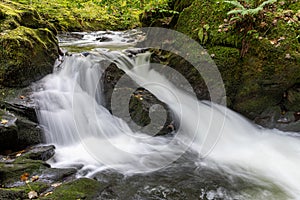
143	105
28	45
259	76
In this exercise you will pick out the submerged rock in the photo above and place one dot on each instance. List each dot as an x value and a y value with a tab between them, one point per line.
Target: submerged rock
104	39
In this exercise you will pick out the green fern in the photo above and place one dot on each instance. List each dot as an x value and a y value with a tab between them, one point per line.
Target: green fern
244	16
240	9
236	4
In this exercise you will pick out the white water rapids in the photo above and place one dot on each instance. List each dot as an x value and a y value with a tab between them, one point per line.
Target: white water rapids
71	113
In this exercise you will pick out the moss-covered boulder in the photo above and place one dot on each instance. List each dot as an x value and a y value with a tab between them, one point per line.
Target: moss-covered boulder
11	171
28	47
21	192
257	75
82	188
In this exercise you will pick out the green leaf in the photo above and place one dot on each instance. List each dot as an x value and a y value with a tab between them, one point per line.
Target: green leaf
206	27
201	35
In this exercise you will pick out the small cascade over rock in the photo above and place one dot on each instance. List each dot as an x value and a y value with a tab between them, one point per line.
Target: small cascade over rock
73	115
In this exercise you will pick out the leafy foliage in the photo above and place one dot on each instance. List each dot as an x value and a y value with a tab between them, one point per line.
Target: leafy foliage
242	10
247	16
94	14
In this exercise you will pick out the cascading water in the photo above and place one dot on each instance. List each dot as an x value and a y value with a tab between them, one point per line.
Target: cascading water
71	113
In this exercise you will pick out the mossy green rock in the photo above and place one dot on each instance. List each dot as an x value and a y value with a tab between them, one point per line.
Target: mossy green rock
21	192
28	47
10	172
82	188
26	55
271	66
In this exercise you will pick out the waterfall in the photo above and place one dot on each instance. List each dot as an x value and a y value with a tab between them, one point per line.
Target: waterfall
73	117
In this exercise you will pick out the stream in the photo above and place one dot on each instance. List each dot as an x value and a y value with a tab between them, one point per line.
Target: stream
244	162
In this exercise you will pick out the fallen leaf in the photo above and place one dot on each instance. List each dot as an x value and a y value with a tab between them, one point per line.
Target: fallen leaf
273	41
24	177
35	178
56	184
33	195
4	121
263	24
287	56
48	193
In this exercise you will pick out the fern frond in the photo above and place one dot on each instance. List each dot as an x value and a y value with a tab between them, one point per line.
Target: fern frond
266	3
254	11
236	18
234	12
236	4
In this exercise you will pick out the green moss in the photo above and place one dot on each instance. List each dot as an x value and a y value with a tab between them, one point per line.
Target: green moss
21	192
83	188
8	93
271	65
207	13
179	5
11	172
228	61
26	55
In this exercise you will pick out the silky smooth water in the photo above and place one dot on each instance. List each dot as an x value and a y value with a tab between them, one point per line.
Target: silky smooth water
256	163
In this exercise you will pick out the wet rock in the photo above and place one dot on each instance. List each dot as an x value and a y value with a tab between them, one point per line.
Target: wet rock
21	192
110	78
104	39
18	132
11	170
22	128
85	54
43	153
143	111
108	193
133	52
108	176
273	117
82	188
27	110
57	174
